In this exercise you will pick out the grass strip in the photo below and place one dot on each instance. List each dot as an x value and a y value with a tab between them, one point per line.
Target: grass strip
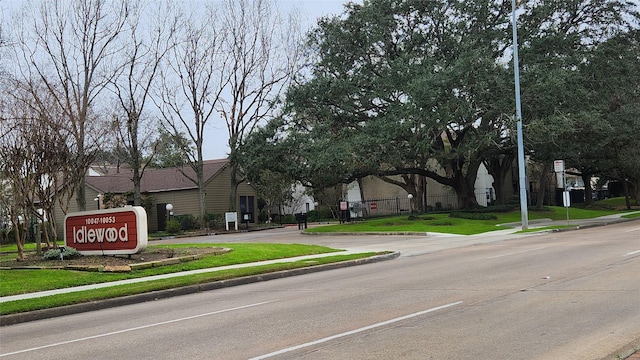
442	223
25	281
632	216
12	307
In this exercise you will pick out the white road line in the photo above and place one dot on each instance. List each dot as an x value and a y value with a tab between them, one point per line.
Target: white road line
632	253
134	329
518	252
630	230
333	337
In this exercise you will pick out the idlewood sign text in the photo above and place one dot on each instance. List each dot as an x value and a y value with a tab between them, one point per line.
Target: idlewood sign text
107	232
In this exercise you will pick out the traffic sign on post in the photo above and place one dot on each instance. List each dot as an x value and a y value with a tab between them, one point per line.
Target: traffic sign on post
558	166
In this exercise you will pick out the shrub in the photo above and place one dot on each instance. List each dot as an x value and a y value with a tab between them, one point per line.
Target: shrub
320	213
173	226
61	253
289	219
187	222
263	216
214	221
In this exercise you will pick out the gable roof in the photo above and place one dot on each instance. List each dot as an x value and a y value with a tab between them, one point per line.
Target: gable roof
155	180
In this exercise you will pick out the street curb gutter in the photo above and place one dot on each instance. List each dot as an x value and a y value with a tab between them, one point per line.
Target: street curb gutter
12	319
625	352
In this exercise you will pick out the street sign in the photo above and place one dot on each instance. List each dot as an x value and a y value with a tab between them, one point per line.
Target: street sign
566	199
558	166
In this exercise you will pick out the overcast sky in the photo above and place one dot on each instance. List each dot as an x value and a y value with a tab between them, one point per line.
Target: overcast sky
216	140
215	146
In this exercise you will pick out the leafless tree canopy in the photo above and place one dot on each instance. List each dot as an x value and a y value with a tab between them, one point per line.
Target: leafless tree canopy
143	55
38	160
232	65
72	48
99	75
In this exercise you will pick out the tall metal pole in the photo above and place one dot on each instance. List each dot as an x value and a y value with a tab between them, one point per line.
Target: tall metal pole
521	169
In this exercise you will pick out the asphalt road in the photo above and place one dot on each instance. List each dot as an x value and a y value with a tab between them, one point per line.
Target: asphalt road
569	295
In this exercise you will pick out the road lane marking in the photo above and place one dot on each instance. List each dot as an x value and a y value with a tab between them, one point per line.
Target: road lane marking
632	253
630	230
517	252
134	328
373	326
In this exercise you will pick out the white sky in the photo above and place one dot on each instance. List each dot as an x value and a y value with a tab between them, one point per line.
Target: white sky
216	141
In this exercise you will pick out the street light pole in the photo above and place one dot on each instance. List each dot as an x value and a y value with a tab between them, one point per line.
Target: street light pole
521	169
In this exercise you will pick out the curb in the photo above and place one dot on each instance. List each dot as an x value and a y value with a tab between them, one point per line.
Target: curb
12	319
365	233
598	224
630	351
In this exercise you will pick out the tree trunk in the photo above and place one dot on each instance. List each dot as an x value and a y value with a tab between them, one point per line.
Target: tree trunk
19	237
422	193
233	189
202	194
499	168
466	192
498	185
81	200
543	182
137	179
625	186
588	191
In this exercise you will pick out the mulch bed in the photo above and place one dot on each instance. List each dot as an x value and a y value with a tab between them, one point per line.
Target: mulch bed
31	259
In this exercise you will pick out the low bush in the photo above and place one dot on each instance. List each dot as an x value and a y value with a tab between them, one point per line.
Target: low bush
320	213
263	216
187	222
215	221
61	253
173	226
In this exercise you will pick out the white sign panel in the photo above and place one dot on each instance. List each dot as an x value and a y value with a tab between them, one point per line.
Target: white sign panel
566	198
231	217
558	166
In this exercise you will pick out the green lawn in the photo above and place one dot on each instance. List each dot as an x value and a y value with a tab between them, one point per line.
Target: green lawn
617	202
25	281
442	223
12	307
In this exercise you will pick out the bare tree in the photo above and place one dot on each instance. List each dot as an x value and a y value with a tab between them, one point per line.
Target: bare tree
14	165
192	86
38	159
70	47
265	51
232	63
143	54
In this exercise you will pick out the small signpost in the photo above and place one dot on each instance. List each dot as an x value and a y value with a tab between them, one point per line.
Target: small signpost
558	167
231	217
